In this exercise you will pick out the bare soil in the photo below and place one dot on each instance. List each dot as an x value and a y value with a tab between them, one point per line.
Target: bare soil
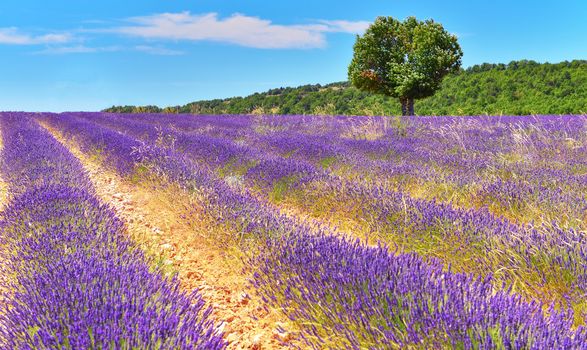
3	275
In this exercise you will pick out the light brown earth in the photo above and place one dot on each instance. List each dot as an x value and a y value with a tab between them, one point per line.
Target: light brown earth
181	240
3	185
3	201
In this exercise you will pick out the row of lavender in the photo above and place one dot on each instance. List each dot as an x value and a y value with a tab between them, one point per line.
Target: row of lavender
344	293
75	280
541	261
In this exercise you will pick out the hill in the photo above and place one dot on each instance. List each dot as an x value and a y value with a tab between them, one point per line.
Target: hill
516	88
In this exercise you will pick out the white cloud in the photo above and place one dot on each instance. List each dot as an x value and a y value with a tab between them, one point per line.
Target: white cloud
63	50
81	49
236	29
355	27
156	50
11	36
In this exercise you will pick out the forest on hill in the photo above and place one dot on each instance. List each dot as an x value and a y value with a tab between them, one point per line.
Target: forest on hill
517	88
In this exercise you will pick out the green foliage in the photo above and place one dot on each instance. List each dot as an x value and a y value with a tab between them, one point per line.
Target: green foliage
517	88
404	59
134	109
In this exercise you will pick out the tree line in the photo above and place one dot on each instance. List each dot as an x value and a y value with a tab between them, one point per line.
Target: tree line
517	88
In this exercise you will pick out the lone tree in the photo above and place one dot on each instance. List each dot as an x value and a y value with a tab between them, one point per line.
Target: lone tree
407	60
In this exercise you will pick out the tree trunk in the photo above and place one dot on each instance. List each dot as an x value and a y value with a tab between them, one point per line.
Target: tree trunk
404	102
411	106
407	106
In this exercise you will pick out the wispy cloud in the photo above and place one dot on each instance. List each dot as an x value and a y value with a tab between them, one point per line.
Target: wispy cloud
78	49
82	49
12	36
355	27
157	50
236	29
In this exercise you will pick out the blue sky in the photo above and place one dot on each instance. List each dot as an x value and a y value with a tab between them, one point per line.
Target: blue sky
87	55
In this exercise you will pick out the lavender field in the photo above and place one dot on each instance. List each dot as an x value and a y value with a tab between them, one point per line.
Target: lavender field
326	232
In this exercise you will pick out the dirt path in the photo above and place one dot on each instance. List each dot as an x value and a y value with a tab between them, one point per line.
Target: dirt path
3	201
158	220
3	185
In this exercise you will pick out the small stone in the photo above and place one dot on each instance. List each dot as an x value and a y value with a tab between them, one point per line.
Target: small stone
283	337
257	342
243	299
231	338
220	328
193	274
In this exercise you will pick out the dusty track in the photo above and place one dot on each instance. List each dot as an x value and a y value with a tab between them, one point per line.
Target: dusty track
3	201
3	185
159	220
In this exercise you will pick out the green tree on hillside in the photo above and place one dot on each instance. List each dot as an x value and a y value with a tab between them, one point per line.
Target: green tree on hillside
406	60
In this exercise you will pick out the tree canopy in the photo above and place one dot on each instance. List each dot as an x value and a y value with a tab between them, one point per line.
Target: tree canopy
406	60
